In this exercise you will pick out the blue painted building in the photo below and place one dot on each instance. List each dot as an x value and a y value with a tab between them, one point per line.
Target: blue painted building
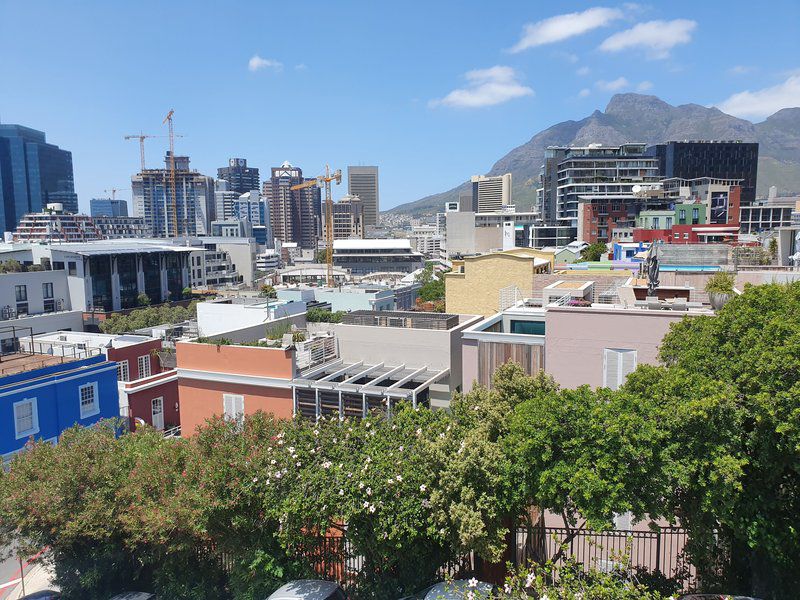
41	396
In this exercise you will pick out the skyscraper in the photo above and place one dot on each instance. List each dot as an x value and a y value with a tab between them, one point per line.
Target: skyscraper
242	179
363	182
294	214
108	207
194	200
491	194
348	218
33	174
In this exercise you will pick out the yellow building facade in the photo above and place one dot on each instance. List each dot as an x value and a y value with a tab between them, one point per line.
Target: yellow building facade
476	284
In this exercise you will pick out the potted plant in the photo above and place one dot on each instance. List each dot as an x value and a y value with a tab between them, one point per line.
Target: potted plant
720	289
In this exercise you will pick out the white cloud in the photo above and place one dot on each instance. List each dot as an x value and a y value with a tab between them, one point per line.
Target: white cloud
486	87
644	86
613	86
583	71
562	27
762	103
300	67
256	63
584	92
656	37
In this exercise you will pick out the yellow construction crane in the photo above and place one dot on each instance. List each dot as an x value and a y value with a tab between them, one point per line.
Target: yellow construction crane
325	181
168	119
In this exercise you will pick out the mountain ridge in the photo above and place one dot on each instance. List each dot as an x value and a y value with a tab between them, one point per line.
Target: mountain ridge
647	119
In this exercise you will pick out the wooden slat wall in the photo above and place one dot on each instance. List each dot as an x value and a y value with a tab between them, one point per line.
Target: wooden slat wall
491	355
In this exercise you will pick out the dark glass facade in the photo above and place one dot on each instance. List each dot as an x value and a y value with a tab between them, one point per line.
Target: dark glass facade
242	179
100	271
33	174
107	207
127	271
719	160
151	266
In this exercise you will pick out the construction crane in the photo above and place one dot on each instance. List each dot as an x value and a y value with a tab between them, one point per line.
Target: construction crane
325	181
114	192
142	137
168	119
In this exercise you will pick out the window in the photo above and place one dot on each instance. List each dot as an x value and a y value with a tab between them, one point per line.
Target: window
682	216
656	222
157	412
123	371
617	365
88	399
26	418
47	290
72	267
233	407
22	293
144	366
668	224
695	216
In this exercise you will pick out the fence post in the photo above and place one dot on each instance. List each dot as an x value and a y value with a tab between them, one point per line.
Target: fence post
658	550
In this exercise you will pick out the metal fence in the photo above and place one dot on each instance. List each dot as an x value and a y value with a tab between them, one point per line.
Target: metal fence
660	551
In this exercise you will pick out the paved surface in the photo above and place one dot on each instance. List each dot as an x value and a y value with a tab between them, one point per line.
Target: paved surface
36	577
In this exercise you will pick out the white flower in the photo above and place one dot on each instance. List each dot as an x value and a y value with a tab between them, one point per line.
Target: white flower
419	431
507	588
422	488
399	478
470	595
390	481
272	462
361	485
426	503
313	451
316	432
369	459
367	424
299	463
341	492
529	582
372	508
369	491
291	449
280	442
401	448
327	464
277	474
255	479
473	583
366	504
334	440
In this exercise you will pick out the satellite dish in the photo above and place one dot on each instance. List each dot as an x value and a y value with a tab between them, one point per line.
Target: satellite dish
636	189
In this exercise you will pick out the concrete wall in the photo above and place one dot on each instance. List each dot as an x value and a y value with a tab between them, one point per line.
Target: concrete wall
216	318
46	323
238	360
693	254
575	339
33	282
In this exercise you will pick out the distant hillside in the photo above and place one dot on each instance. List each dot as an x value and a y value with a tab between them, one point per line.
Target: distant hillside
641	118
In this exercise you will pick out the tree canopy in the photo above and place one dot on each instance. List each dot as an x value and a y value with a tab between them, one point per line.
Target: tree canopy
148	317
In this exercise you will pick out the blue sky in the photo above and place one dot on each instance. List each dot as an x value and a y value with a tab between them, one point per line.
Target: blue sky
432	92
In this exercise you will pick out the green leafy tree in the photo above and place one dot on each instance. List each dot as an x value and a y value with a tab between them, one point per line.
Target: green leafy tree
267	291
142	299
593	252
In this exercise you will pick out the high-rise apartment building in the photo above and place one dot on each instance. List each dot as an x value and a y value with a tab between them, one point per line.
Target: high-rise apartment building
713	159
241	178
294	214
593	188
33	174
363	182
348	219
108	207
193	199
491	194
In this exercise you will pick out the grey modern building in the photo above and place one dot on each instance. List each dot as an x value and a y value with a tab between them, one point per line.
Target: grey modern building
33	174
363	182
714	159
242	179
194	200
108	207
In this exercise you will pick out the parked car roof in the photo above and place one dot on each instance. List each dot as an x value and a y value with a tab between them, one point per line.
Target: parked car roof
305	589
134	596
43	595
456	590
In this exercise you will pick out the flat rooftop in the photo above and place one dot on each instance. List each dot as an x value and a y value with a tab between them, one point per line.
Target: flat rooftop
91	340
401	319
19	362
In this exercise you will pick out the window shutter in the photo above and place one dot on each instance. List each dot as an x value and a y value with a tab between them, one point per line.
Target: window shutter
628	365
611	369
227	406
239	408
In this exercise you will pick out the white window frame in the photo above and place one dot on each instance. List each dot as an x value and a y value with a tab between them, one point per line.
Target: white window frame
34	418
144	360
229	408
621	376
160	399
86	413
123	370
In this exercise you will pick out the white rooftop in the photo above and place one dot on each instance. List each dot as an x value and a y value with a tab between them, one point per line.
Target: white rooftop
379	244
92	340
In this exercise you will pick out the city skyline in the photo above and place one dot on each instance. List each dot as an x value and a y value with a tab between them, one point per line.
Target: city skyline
444	107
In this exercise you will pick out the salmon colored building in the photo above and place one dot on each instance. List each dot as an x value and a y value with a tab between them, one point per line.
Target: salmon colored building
232	381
